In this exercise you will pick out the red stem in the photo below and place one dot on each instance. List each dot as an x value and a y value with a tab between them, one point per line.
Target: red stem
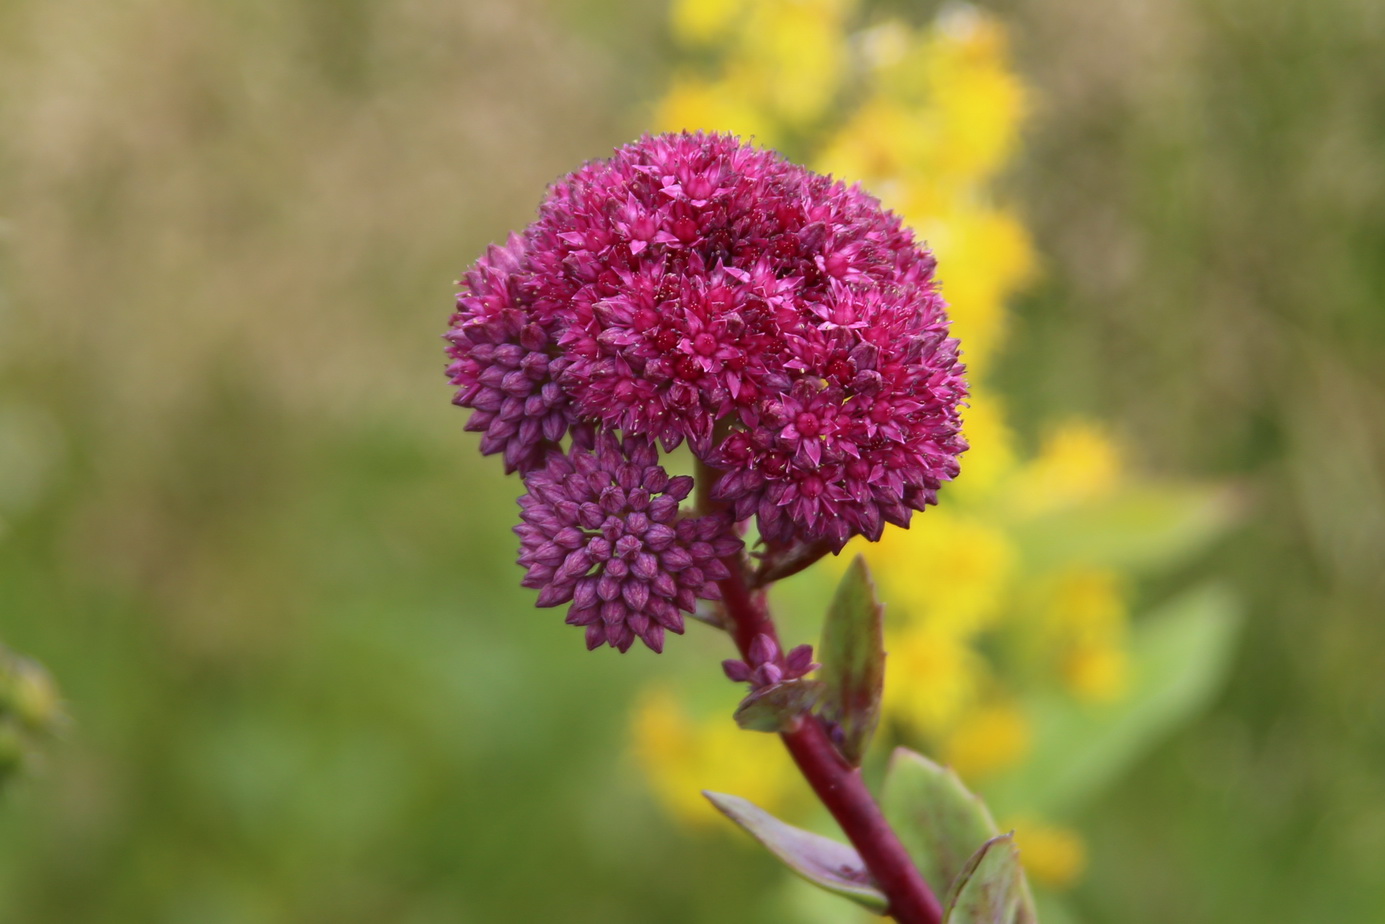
836	782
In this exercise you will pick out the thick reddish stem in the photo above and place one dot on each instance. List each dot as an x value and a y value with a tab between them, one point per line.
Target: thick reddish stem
844	794
837	783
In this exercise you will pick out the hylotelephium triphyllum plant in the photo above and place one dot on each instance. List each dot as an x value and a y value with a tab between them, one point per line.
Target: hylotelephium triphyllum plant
694	290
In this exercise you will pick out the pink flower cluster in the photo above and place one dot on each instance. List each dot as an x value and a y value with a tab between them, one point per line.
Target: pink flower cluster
694	289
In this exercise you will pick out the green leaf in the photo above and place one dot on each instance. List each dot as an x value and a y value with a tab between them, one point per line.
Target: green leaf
1180	657
852	654
1144	527
991	887
822	861
940	822
1054	908
774	708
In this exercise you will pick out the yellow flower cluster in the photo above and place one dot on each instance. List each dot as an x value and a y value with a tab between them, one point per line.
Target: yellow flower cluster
1053	855
924	118
780	65
957	584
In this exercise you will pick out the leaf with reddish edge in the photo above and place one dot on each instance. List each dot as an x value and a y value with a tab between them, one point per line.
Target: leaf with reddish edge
853	661
991	887
777	707
938	820
822	861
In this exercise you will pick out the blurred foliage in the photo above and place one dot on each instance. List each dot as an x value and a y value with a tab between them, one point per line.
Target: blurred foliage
244	531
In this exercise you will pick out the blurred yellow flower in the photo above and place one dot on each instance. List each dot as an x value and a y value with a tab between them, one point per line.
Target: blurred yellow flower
984	258
1087	605
793	55
1053	856
693	104
954	85
1087	618
682	756
1078	461
782	62
702	22
884	45
881	145
992	454
949	570
1097	673
995	737
932	678
982	101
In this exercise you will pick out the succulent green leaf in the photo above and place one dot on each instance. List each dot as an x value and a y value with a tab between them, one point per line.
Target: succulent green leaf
774	708
940	822
822	861
991	887
852	654
1180	657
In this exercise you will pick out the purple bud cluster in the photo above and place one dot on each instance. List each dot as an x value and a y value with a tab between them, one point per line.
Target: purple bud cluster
601	530
694	290
765	667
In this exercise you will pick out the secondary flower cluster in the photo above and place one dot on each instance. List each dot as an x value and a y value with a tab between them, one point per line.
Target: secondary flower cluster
695	290
601	529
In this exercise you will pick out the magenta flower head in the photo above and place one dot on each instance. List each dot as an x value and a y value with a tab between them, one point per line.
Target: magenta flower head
695	290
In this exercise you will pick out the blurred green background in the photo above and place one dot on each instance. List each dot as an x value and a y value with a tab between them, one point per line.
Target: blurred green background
241	525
